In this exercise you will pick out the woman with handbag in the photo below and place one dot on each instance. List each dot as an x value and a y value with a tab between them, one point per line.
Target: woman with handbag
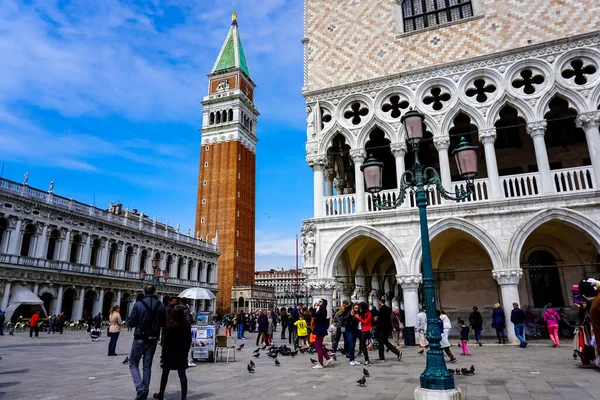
114	329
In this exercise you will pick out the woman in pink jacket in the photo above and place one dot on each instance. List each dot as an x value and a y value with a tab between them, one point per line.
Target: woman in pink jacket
552	318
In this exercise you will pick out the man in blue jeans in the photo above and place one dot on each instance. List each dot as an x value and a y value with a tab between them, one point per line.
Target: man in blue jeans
517	317
241	322
147	317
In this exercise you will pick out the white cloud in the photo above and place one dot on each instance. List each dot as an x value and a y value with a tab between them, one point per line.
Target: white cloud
272	244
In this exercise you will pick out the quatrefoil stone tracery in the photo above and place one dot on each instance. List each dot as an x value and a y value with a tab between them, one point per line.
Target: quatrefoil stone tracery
480	90
325	117
528	81
394	106
436	98
356	112
579	70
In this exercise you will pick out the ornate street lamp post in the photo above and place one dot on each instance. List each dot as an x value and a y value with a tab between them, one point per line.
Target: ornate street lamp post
420	179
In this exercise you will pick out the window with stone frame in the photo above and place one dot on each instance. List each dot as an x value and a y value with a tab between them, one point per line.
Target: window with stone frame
421	14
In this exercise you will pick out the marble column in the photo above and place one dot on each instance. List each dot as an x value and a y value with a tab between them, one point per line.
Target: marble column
98	303
6	296
15	238
410	288
117	300
66	246
85	254
317	163
74	308
488	137
509	288
362	294
36	288
537	130
399	152
136	260
345	290
105	254
59	300
590	123
441	144
40	251
358	157
328	175
80	302
323	289
122	257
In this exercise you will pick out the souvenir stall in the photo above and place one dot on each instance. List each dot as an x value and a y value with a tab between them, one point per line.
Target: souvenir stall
204	333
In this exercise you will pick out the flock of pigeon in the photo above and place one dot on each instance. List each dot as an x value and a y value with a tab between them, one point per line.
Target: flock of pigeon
283	350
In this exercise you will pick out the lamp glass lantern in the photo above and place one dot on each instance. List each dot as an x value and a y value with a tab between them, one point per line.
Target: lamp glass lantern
413	126
372	170
465	156
142	275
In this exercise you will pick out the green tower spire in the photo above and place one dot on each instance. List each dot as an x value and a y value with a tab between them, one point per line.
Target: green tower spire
232	53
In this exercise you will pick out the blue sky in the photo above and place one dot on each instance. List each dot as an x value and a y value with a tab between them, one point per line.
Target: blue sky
103	97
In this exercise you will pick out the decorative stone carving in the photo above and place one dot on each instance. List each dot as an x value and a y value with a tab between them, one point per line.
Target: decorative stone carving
312	148
508	276
358	291
441	143
487	135
588	120
329	174
310	123
358	156
398	149
317	161
321	284
51	188
308	243
345	288
536	128
310	271
26	178
409	281
223	86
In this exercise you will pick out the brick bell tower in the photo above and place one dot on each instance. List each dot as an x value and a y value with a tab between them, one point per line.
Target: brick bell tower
227	181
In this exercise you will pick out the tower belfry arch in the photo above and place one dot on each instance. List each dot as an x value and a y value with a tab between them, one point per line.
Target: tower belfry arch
227	178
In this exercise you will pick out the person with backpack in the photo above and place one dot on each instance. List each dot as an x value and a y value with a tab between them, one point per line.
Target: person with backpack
552	319
384	327
445	327
147	317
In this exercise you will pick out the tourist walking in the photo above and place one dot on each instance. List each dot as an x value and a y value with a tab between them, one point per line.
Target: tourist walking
52	325
366	324
302	333
384	329
270	328
33	324
114	329
337	323
319	314
174	356
397	327
464	338
60	322
284	321
476	322
552	319
445	327
98	321
351	332
263	326
147	317
499	323
422	330
13	321
517	317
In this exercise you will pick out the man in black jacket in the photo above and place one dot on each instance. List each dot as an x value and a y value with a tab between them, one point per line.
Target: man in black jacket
384	328
148	317
517	317
241	323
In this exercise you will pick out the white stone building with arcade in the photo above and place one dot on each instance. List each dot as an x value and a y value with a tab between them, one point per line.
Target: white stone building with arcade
527	95
81	260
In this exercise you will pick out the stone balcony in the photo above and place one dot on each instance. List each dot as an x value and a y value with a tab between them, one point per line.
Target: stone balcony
566	181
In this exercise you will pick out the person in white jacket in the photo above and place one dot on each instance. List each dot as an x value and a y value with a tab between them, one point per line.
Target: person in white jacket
444	343
422	329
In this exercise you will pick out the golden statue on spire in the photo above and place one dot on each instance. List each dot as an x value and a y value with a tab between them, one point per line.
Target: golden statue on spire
234	16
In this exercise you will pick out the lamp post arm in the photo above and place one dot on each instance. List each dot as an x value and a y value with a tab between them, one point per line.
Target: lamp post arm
433	179
407	181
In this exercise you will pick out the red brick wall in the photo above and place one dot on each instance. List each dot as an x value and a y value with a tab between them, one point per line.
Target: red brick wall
225	161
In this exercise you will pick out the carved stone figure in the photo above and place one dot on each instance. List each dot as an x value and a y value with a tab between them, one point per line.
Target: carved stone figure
223	86
51	189
308	244
310	123
26	180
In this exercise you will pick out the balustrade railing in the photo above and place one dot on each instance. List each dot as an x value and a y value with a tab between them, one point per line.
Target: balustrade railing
512	186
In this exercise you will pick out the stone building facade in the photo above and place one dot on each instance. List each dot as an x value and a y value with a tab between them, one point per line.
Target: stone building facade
81	260
289	285
227	180
519	79
247	298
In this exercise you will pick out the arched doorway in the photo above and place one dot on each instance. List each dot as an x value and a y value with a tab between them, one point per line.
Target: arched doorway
464	128
88	304
109	299
75	247
554	257
379	147
129	258
52	251
95	252
341	163
47	297
112	256
515	153
69	296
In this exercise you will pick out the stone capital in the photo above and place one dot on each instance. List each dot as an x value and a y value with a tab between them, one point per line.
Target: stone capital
508	276
588	120
318	161
345	288
536	128
358	156
398	149
487	135
408	281
441	143
321	284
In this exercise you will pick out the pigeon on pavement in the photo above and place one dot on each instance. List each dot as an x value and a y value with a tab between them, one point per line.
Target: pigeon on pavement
366	372
312	360
362	381
250	369
277	362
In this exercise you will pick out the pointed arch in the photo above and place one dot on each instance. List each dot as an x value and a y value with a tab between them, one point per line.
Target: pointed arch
461	224
519	105
373	124
576	102
353	233
325	142
565	215
466	109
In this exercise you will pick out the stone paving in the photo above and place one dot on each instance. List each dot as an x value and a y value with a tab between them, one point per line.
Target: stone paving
71	366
